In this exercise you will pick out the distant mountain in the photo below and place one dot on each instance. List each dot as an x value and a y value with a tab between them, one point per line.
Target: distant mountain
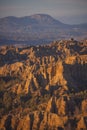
37	28
30	20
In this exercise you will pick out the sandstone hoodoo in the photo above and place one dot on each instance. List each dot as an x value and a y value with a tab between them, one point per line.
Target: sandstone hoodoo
44	87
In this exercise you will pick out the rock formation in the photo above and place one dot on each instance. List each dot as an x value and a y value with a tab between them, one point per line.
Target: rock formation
44	87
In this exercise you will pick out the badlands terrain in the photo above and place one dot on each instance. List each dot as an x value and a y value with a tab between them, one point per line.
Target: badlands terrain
44	87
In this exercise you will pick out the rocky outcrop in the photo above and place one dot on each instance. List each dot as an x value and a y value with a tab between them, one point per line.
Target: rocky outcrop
44	87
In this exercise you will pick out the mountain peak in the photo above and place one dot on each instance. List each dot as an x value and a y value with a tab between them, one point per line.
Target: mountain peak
45	18
38	27
39	16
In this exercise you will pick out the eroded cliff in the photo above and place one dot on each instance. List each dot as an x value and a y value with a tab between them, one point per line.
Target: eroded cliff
44	87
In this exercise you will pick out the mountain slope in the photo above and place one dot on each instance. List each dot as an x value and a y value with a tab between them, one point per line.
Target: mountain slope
33	19
40	20
38	27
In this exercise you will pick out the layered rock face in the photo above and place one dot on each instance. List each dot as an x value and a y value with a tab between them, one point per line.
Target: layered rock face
44	87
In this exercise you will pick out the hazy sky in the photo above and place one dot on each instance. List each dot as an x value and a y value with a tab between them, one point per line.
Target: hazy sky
67	11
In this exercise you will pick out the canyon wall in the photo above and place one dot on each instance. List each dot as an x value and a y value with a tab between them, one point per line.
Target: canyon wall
44	87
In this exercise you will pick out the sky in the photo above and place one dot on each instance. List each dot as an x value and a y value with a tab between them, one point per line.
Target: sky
67	11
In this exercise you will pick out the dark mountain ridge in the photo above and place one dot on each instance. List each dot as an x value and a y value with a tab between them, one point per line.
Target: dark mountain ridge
33	19
38	27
